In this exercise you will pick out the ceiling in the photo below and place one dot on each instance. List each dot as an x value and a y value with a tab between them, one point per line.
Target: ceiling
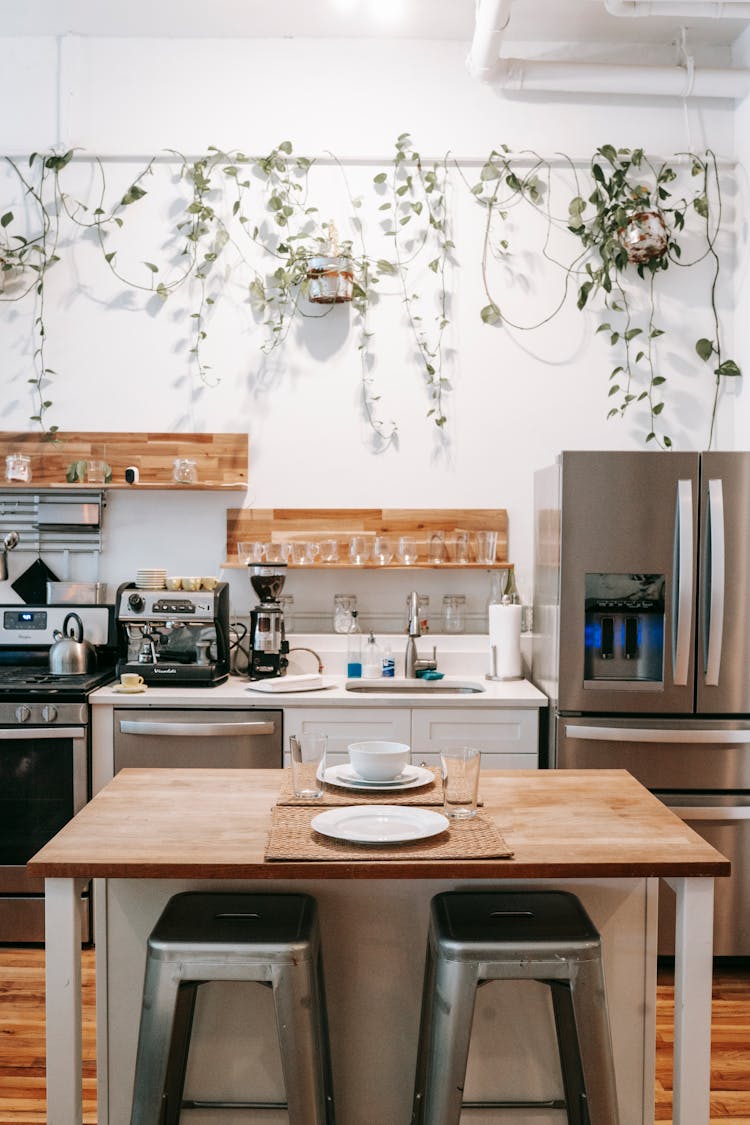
582	21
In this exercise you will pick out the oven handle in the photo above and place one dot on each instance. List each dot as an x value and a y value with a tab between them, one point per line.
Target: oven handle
38	733
650	734
190	730
711	812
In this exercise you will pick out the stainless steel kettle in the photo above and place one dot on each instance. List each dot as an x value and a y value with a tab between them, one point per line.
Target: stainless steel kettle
70	655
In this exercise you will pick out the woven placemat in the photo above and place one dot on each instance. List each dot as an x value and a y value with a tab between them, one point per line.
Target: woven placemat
291	837
429	794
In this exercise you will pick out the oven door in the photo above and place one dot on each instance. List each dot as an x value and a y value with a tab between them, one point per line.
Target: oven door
43	784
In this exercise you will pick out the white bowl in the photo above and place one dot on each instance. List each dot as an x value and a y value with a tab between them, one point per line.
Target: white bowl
378	761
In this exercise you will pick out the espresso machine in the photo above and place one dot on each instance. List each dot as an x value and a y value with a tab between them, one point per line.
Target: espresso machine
174	638
268	644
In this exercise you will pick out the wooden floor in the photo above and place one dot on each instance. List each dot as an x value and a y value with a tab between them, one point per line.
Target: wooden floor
22	1095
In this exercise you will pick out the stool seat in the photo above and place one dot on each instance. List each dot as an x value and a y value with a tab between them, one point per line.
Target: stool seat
271	939
547	936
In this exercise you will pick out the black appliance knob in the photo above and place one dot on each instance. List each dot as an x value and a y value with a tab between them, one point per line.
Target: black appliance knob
136	602
49	713
23	713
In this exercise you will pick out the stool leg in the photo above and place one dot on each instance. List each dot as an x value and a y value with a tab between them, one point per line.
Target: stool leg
446	1043
160	989
303	1041
174	1083
570	1059
423	1041
595	1041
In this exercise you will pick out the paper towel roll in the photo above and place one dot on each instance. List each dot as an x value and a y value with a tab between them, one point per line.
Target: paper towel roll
505	637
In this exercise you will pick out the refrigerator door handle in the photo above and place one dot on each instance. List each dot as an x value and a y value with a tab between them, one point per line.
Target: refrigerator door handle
655	734
683	609
714	602
717	813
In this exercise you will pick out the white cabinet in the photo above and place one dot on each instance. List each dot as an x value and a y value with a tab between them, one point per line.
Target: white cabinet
508	738
346	724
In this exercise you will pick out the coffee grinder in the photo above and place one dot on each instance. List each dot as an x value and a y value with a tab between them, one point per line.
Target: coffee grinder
268	645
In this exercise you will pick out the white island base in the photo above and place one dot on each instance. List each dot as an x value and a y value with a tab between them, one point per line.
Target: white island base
374	936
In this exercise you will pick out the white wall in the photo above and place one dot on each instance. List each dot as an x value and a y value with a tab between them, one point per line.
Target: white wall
517	399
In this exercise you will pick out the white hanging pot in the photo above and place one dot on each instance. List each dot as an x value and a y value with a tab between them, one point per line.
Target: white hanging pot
644	237
330	279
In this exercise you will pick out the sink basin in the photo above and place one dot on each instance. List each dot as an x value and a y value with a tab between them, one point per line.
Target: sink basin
414	687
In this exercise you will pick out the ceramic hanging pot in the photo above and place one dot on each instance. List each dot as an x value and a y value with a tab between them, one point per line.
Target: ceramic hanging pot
644	237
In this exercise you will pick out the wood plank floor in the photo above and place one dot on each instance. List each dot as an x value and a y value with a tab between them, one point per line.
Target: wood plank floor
22	1091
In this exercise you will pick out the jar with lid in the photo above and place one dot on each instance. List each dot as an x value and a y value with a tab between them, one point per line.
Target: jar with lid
185	470
453	613
18	467
343	607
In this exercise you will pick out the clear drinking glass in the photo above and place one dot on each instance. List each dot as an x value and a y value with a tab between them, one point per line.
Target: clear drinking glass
251	552
382	550
407	551
438	552
359	549
308	755
461	544
460	781
329	550
486	542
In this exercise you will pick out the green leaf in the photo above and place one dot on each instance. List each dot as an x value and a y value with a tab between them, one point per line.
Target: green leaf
704	349
132	195
162	291
489	172
380	178
632	333
7	218
286	146
151	266
490	314
386	267
658	380
728	367
700	203
658	408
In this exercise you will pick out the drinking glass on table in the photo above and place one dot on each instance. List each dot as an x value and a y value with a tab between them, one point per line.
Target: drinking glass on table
460	781
308	754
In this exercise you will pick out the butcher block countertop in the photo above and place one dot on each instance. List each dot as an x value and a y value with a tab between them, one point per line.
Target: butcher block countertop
165	824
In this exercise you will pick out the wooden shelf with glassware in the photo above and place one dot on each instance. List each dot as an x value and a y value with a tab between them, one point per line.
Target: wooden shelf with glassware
369	538
35	461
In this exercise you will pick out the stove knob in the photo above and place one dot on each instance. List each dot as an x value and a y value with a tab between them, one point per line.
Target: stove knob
23	713
136	602
49	713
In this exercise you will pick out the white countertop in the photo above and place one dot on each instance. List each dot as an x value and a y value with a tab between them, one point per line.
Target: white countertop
236	692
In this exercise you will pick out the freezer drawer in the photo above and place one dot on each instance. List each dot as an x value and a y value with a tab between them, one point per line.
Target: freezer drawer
664	754
724	821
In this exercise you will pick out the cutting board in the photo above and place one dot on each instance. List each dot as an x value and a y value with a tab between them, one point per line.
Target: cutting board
305	682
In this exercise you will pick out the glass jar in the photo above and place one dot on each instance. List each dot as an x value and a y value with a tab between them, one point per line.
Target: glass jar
18	467
185	470
344	605
453	613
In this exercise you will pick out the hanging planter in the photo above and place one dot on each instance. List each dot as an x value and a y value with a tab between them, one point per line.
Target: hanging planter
644	237
330	279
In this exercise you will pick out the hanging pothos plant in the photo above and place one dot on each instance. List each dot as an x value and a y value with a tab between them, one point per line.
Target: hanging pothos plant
633	224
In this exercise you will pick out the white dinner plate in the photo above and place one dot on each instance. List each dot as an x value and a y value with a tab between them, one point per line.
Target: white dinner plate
379	824
346	777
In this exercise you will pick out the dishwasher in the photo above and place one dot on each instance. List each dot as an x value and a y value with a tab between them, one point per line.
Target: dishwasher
173	738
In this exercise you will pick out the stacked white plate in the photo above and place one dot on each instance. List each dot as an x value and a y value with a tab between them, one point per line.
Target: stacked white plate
150	578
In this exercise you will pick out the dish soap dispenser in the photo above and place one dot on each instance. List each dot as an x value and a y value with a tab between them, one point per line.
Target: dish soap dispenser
354	650
371	664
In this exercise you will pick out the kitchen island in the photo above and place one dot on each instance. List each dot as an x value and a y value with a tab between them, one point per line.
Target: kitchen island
148	834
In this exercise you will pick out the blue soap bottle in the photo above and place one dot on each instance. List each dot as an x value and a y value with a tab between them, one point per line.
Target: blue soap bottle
354	650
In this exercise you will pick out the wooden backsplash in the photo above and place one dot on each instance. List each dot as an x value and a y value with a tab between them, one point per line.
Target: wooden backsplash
221	459
283	525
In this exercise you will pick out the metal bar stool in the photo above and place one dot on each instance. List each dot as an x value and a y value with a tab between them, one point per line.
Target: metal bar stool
272	939
545	936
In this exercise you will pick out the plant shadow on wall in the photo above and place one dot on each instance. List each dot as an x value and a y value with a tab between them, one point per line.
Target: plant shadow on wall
250	232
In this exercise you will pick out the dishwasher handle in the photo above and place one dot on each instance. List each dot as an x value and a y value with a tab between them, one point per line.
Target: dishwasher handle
190	730
716	813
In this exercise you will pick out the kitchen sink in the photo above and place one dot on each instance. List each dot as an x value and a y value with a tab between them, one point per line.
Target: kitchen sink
414	687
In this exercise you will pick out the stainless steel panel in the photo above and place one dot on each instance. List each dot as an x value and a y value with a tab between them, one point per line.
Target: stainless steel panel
726	476
188	738
724	821
22	920
619	516
689	754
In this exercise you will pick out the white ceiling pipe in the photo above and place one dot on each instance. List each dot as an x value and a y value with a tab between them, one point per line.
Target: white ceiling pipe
490	20
609	78
700	9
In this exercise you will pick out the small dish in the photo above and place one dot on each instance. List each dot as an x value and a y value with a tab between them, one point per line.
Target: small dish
345	777
130	690
379	824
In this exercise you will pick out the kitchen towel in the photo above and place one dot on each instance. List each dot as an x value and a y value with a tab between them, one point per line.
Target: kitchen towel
505	638
292	838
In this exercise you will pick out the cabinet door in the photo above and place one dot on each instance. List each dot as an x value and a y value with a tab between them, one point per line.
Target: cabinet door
347	724
508	739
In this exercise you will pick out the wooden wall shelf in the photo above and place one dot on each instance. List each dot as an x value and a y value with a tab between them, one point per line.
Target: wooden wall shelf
280	526
221	459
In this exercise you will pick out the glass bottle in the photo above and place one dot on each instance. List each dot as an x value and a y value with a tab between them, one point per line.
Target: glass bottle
371	661
354	650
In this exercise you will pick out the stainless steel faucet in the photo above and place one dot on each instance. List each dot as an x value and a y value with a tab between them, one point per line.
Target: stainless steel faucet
413	663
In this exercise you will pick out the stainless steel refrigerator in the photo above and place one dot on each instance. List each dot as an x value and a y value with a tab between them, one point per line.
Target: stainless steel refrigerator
642	639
